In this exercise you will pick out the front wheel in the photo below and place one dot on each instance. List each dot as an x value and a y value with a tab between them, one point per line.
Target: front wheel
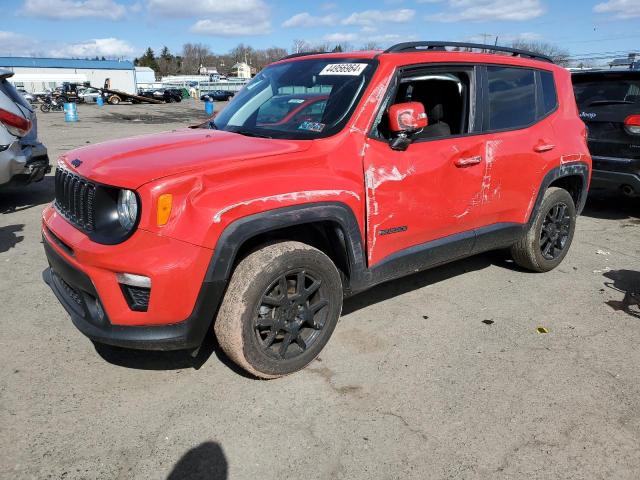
281	307
45	108
548	238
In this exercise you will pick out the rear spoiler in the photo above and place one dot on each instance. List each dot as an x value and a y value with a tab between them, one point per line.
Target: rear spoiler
4	73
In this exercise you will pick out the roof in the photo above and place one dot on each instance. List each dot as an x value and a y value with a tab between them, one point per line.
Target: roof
144	69
33	62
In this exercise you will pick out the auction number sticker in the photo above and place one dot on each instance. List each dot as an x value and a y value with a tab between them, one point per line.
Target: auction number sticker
352	69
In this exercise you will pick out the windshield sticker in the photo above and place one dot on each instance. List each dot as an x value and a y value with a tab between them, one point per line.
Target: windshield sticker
352	69
311	126
296	100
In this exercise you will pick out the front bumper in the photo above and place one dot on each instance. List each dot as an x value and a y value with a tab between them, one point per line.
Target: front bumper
83	279
614	173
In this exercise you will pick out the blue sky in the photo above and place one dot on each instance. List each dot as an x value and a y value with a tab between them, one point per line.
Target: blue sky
124	28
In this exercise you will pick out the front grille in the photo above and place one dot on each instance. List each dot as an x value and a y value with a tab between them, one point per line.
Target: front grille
75	199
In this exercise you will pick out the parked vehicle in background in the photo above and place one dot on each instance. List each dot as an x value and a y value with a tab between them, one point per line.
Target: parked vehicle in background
29	97
419	156
51	104
23	158
89	94
609	104
283	109
68	91
169	95
217	95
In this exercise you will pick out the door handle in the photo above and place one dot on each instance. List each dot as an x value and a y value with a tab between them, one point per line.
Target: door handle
545	147
466	162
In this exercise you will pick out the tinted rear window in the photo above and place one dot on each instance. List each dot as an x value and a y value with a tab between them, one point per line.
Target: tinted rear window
608	90
512	97
549	95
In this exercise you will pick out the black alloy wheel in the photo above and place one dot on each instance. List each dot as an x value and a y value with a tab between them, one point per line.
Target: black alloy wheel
280	308
291	314
555	231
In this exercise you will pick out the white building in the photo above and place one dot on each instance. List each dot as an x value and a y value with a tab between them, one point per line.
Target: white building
145	75
242	70
39	74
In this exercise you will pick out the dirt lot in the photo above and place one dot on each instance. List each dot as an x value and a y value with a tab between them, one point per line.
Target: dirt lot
439	375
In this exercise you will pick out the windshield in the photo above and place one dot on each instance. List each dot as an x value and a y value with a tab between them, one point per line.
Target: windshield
303	99
606	91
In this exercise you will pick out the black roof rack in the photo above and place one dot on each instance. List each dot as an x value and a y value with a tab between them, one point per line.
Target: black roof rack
442	46
301	54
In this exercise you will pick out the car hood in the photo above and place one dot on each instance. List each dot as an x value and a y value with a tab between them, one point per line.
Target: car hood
132	162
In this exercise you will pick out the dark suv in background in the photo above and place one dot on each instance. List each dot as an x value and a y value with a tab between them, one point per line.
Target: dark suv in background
609	104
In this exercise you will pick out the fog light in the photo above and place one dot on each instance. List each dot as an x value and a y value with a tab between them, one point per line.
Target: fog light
134	280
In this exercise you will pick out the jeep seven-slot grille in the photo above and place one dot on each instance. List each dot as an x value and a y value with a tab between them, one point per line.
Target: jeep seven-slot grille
75	197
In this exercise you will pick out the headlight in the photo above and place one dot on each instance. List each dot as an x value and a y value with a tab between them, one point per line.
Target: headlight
127	209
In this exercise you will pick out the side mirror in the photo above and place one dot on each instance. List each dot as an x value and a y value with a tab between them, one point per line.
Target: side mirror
404	120
407	117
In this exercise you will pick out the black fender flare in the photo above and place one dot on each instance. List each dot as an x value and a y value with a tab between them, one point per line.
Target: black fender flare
243	229
194	329
580	169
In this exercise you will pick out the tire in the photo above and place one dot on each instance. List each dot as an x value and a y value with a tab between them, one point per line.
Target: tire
548	238
114	100
259	319
45	108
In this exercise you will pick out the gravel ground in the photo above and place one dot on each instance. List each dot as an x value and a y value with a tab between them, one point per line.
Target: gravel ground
439	375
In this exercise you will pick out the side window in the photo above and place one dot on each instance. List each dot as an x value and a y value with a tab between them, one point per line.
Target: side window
549	95
512	97
446	99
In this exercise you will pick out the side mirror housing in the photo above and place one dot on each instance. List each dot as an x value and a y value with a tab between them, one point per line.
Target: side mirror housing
407	117
404	120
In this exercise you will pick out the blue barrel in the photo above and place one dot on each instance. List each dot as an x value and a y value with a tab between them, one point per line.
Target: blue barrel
99	101
70	112
209	107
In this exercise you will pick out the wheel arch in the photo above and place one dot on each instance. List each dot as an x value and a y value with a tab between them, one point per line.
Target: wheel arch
573	177
329	226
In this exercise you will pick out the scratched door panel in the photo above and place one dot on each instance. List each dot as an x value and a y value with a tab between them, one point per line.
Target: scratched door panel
421	194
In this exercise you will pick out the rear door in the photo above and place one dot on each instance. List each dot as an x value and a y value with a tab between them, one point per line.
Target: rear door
519	143
605	100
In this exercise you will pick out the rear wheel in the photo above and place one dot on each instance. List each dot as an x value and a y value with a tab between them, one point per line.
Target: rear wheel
281	307
114	100
45	107
548	238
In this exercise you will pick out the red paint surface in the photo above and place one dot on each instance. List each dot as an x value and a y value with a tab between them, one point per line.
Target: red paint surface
435	188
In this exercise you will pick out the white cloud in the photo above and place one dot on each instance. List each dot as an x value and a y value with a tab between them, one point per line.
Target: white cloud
340	37
16	44
305	19
621	9
489	10
206	8
97	47
231	27
234	18
376	17
74	9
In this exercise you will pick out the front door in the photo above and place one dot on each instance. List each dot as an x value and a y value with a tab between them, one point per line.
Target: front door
433	190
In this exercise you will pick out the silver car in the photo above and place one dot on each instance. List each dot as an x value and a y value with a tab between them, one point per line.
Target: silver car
23	159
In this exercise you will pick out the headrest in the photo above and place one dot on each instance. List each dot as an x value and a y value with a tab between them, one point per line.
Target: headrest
436	113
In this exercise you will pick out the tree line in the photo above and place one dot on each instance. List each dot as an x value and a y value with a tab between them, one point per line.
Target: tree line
192	55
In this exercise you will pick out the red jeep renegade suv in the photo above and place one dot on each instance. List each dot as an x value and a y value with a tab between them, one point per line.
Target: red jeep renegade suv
325	175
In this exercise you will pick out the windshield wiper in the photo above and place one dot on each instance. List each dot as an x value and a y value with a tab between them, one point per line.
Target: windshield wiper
609	102
250	133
